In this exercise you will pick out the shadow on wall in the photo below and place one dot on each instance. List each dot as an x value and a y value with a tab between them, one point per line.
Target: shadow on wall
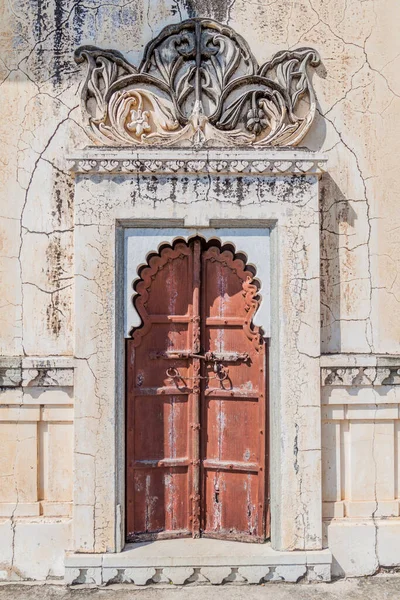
315	137
336	213
335	210
212	9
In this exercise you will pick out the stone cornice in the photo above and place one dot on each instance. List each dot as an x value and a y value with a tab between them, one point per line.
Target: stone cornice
359	370
17	371
191	162
360	376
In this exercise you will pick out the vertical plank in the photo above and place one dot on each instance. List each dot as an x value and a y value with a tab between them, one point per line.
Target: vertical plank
234	410
158	472
196	369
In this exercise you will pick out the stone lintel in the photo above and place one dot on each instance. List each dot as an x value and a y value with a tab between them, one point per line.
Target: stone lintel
197	162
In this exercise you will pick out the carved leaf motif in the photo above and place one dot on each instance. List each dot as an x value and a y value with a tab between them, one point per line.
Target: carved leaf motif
104	68
198	83
291	72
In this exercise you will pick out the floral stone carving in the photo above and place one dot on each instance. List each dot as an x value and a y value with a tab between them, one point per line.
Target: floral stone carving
198	84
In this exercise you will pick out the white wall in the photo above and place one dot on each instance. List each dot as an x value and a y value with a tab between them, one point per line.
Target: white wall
357	126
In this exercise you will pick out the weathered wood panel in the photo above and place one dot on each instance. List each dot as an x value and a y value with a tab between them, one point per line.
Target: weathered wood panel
196	417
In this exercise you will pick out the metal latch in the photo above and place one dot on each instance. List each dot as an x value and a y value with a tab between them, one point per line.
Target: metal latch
207	356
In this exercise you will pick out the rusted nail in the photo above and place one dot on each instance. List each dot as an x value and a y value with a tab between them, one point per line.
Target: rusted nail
261	431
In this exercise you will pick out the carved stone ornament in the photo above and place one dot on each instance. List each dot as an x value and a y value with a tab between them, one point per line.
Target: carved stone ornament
198	84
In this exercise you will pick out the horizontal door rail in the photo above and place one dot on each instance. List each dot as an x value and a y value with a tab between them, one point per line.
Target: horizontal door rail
228	465
162	391
169	319
162	462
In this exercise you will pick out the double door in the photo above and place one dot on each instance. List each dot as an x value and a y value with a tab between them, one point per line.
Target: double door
196	399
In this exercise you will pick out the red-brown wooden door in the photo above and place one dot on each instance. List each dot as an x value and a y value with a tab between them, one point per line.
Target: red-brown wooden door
196	400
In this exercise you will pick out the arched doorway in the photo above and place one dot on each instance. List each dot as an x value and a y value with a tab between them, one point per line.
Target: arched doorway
197	399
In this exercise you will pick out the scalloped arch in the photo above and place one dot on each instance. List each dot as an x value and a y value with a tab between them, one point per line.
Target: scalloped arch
251	243
215	251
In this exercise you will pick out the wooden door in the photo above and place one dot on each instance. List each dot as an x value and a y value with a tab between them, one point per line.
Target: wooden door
196	399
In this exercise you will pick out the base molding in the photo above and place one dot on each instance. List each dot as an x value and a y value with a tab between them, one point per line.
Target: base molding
203	561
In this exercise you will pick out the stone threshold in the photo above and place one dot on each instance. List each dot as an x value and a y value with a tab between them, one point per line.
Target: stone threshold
202	561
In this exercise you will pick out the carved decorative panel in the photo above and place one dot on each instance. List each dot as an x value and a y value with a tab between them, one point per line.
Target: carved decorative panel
198	84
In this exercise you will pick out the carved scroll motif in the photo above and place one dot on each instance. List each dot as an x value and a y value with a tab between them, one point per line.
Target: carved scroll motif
198	84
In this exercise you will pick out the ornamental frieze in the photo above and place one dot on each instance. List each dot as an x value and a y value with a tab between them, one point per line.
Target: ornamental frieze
198	85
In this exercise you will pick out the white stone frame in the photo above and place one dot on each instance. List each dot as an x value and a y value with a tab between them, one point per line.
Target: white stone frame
171	188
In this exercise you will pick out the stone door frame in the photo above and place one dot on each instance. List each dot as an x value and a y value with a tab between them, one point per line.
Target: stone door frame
116	189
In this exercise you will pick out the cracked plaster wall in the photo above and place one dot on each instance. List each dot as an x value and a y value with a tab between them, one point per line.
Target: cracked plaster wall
358	89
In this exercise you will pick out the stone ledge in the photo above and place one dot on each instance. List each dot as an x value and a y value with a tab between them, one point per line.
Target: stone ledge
343	509
197	561
18	371
360	360
219	162
360	376
40	508
359	370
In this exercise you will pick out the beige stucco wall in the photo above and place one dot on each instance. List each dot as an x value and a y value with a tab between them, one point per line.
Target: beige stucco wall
358	89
